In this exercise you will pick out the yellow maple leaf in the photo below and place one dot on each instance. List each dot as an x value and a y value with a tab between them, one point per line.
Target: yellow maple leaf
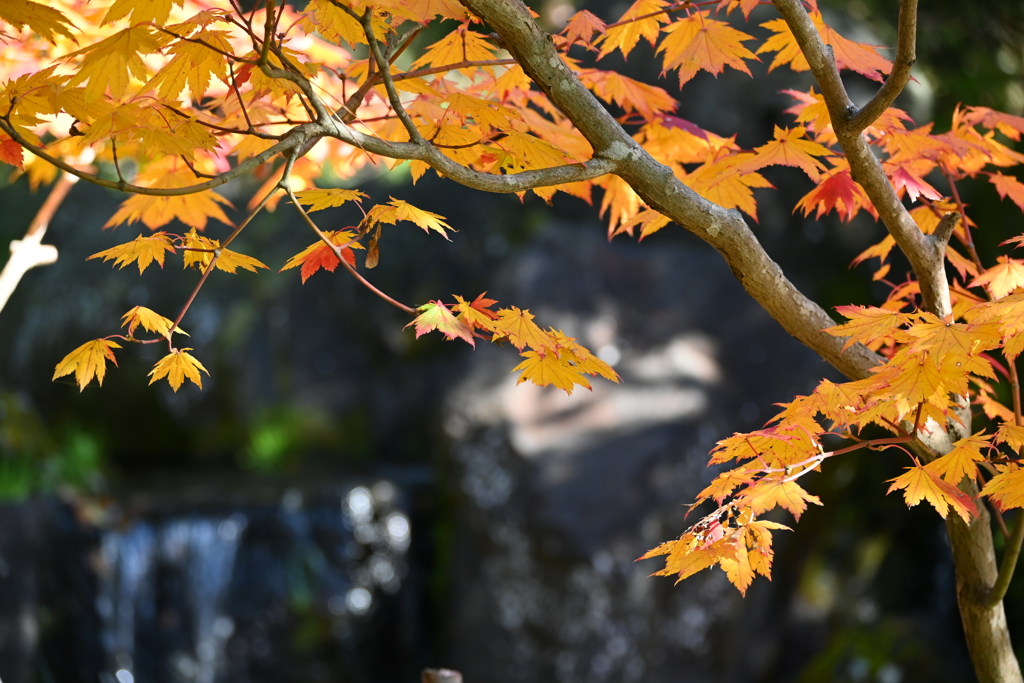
434	315
866	324
1002	278
150	321
520	329
317	200
177	366
919	484
87	361
625	36
767	494
156	11
961	461
457	46
1006	489
112	62
550	369
143	250
1011	435
199	252
789	148
194	210
41	19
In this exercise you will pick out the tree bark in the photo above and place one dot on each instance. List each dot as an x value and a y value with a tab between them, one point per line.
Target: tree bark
985	627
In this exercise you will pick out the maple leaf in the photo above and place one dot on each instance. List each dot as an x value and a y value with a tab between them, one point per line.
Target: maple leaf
317	200
150	321
1011	435
1006	489
625	36
435	315
904	179
112	62
177	366
920	484
1009	125
581	357
11	152
1008	186
155	11
398	210
194	210
520	329
550	369
477	314
789	148
455	47
836	191
767	494
848	54
229	261
41	19
582	27
143	250
867	323
318	255
961	461
722	486
1003	278
631	95
700	42
87	361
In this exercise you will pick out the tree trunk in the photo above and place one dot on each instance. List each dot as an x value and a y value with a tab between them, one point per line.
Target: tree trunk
988	637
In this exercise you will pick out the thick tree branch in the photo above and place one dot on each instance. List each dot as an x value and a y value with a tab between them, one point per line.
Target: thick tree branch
659	188
926	259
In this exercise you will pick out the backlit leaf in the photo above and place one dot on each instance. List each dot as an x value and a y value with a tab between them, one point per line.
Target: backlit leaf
176	367
87	361
919	484
436	316
143	250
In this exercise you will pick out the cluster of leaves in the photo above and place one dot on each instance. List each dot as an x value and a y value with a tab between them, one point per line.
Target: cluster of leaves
196	93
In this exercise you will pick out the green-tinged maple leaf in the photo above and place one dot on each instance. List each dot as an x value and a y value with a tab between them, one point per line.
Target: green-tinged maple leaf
920	484
177	366
962	460
435	315
41	19
318	255
767	494
550	369
317	200
229	261
87	361
150	321
699	42
143	250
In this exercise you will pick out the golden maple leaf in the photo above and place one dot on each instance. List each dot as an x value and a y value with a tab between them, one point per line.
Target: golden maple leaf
87	361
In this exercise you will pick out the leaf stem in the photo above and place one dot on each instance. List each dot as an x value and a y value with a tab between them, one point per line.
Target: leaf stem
337	250
192	297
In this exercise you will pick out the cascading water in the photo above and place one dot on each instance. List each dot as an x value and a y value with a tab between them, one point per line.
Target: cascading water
244	594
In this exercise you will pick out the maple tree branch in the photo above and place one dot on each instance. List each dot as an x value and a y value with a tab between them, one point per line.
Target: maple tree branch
384	69
1010	556
926	259
657	185
962	208
192	297
291	140
896	81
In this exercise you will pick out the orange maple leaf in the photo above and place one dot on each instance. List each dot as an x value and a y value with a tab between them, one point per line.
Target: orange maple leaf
476	314
1006	489
867	323
1008	186
699	42
520	329
582	27
318	255
767	494
962	460
87	361
630	30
